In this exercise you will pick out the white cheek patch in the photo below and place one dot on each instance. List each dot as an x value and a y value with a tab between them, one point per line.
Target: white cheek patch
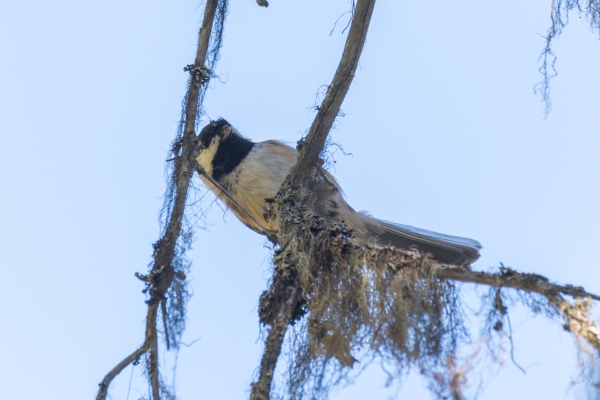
206	156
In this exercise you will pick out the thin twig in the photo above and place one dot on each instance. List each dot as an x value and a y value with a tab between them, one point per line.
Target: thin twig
192	342
133	357
102	392
130	380
512	345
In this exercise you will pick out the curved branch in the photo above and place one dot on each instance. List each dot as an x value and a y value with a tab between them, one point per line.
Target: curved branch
161	277
576	315
308	158
132	358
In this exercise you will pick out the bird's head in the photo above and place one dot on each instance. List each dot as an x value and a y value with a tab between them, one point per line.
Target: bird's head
222	148
213	134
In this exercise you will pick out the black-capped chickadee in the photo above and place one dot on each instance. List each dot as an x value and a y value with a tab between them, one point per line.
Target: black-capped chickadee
252	172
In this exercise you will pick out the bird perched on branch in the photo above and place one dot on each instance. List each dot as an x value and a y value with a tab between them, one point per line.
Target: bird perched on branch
252	172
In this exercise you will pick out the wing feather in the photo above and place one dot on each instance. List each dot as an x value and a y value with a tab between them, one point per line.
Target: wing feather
444	248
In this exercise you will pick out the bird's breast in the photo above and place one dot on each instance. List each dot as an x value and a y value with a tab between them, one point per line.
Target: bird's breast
258	177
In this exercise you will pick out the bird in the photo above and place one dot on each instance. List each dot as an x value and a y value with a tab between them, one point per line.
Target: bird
252	172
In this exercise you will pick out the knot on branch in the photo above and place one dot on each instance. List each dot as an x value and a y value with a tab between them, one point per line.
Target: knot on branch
158	282
199	74
505	271
162	275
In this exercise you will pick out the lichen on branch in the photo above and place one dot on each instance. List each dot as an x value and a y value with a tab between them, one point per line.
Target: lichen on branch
359	303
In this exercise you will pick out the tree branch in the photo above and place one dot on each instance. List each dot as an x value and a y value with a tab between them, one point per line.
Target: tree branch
576	315
161	277
262	388
314	142
533	283
133	357
308	159
153	366
185	164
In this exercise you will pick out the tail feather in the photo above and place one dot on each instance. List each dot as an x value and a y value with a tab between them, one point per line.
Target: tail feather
444	248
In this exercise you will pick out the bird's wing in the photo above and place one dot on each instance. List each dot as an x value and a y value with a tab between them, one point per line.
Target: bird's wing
444	248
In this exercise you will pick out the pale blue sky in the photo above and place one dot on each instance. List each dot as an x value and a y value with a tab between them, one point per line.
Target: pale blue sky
445	131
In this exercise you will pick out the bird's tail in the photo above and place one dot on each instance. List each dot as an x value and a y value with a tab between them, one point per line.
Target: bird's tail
444	248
